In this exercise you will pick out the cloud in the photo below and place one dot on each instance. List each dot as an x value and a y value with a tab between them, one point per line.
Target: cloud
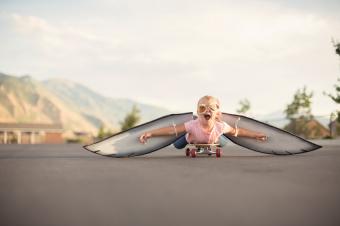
31	24
196	39
217	47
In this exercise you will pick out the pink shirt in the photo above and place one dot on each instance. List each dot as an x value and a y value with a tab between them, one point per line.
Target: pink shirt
196	134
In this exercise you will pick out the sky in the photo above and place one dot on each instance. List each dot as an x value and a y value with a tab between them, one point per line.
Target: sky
170	53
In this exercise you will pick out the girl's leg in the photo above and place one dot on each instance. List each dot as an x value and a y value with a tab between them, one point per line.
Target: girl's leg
181	142
223	141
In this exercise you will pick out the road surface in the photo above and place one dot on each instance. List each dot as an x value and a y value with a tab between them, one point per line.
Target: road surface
66	185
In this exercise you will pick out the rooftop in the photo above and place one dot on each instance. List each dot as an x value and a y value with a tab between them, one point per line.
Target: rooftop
34	126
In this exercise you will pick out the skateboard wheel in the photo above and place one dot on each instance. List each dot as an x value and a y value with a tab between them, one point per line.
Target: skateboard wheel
187	152
193	153
218	153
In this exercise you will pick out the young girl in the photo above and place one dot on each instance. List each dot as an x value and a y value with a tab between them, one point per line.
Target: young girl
206	129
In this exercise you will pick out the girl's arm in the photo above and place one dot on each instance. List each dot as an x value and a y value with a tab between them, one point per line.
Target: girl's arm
247	133
165	131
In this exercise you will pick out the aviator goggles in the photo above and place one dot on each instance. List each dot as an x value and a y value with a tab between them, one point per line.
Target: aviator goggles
203	108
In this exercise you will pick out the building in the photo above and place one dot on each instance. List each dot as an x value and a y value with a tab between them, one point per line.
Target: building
316	130
334	127
307	128
30	133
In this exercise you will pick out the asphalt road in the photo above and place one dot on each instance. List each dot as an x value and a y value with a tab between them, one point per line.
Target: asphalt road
66	185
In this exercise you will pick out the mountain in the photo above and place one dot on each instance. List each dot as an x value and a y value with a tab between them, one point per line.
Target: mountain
94	106
26	100
276	118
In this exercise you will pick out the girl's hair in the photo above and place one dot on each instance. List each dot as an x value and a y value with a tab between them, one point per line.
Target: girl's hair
208	97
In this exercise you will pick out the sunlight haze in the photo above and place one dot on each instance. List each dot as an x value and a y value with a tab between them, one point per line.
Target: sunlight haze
170	53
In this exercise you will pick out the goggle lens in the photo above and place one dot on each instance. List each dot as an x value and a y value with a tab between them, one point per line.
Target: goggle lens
203	108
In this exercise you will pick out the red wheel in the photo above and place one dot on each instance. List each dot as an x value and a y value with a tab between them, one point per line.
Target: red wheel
218	152
187	152
193	153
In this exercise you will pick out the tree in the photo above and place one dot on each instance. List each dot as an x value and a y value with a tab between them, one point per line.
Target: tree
131	119
300	106
336	97
336	45
101	132
334	124
299	113
244	106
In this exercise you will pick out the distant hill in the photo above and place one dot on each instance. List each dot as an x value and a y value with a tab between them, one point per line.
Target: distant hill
96	107
26	100
276	118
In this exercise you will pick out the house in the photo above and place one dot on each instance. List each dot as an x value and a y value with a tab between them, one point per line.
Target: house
30	133
307	128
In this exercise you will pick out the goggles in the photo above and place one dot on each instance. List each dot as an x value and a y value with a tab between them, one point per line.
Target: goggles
203	108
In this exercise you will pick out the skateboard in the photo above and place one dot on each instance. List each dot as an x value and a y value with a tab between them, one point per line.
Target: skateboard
196	149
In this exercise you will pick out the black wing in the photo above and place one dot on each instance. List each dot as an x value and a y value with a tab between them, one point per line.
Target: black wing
127	144
279	142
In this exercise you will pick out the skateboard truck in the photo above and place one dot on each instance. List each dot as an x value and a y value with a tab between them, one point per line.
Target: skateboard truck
193	150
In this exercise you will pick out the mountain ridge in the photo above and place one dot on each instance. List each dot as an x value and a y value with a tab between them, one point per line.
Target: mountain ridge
24	99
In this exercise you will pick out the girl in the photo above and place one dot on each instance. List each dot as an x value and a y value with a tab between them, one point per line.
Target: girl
206	129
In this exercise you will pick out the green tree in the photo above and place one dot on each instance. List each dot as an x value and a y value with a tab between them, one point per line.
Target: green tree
299	113
131	119
301	105
101	132
336	96
336	46
244	106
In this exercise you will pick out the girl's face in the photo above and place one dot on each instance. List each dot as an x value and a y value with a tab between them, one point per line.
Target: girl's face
208	109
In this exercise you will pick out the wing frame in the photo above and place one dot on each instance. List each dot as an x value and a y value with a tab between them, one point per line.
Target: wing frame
86	147
232	138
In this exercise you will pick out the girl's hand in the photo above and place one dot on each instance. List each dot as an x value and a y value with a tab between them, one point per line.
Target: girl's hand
144	137
261	137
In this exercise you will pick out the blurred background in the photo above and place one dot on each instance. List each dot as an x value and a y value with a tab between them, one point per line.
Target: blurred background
78	71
